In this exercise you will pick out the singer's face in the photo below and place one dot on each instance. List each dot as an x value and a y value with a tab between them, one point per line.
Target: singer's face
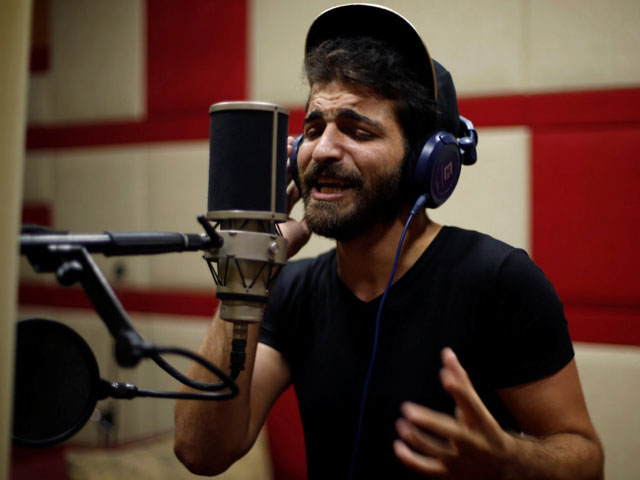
350	161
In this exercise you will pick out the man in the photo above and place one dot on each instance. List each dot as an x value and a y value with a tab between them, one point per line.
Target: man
458	298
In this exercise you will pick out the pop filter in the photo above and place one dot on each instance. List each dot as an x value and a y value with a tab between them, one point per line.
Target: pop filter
57	383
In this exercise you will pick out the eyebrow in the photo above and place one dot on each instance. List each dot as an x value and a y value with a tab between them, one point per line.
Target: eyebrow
347	113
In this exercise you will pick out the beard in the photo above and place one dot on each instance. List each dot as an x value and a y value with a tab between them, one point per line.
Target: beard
375	202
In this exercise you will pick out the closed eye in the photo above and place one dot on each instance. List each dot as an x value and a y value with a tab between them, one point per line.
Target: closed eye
348	121
358	126
312	131
360	134
355	129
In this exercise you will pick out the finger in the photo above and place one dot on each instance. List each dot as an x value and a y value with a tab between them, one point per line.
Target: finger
470	408
455	380
419	463
290	141
435	423
289	175
422	442
460	416
293	195
297	235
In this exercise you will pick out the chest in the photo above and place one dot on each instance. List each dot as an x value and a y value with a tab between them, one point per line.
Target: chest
335	344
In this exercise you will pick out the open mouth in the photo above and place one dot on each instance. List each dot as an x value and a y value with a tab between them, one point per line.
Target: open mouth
331	185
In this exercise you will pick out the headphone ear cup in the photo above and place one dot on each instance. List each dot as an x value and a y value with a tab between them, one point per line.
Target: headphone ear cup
438	168
293	161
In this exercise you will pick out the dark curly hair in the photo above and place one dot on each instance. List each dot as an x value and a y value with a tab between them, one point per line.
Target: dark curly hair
368	64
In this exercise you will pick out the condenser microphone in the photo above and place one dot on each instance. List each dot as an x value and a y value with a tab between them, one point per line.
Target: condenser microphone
246	201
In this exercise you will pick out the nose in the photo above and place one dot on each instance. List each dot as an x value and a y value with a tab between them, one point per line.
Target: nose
328	147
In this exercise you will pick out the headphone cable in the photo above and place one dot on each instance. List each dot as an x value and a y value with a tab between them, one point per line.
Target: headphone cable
420	202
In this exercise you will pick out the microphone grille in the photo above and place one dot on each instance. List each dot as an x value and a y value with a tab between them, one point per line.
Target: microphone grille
248	161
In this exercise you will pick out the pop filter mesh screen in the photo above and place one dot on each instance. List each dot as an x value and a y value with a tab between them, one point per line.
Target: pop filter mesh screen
56	383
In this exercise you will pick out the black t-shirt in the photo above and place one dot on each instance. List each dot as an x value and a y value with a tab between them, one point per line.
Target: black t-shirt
477	295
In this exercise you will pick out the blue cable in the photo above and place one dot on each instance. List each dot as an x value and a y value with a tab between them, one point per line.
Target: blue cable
418	205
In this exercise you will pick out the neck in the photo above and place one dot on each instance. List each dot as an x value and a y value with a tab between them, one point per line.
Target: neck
365	263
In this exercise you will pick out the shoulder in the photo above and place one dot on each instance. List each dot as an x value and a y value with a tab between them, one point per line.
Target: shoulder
489	266
479	253
476	243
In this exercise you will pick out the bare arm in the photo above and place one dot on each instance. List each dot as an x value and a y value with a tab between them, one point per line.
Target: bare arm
560	436
211	435
562	445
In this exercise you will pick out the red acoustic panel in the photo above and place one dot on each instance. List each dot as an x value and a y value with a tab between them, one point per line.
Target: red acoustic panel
500	110
586	213
38	213
296	121
181	125
585	107
196	54
608	325
193	303
286	438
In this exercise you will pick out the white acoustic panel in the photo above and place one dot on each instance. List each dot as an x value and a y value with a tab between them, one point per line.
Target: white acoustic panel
99	189
494	46
178	182
583	44
276	48
38	187
493	196
610	377
97	72
481	43
38	183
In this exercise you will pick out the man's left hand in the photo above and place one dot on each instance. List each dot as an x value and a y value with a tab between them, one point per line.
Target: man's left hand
471	445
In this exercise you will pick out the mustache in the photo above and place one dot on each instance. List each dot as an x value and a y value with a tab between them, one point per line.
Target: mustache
314	170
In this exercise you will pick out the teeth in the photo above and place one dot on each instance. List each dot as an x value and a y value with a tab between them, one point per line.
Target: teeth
330	185
330	189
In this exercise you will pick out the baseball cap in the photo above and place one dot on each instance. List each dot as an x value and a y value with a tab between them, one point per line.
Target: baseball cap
382	23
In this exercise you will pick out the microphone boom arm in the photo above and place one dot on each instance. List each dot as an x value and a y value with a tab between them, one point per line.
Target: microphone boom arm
67	255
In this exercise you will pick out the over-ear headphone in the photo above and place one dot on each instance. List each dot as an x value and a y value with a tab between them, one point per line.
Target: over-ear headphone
437	168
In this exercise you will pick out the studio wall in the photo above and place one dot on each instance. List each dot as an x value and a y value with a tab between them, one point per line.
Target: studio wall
118	140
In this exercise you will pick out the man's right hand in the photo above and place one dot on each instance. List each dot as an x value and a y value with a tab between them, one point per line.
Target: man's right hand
297	233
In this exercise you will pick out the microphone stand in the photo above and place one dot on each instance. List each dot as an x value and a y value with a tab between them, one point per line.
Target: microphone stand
67	255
